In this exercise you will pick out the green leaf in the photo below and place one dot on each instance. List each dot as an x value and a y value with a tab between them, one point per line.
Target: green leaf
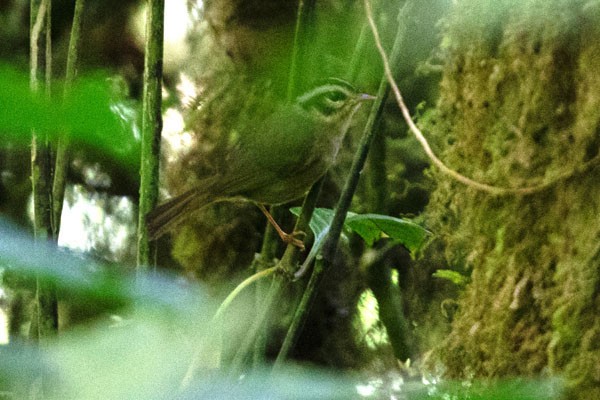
87	114
145	348
319	225
451	276
370	227
373	226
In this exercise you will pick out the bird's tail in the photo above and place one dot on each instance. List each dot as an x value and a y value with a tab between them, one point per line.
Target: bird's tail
171	213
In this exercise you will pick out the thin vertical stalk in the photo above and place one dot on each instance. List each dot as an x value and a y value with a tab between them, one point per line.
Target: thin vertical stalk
304	16
62	147
357	55
262	291
48	55
264	295
376	176
391	314
292	253
151	126
330	245
254	331
343	205
45	316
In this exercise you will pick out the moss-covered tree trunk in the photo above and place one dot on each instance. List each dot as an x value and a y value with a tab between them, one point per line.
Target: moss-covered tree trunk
520	106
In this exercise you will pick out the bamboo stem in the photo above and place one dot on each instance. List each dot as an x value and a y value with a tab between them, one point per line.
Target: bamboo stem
151	127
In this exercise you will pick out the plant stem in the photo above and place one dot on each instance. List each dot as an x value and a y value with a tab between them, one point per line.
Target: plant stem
304	16
343	205
238	289
264	297
258	324
377	194
261	262
151	126
391	314
62	147
45	315
288	263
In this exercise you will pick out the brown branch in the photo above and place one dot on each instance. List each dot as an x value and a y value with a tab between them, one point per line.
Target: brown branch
496	190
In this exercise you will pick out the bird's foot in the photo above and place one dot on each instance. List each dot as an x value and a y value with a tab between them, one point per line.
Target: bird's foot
294	239
289	238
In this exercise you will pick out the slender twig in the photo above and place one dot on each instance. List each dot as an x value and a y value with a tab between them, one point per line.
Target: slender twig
264	297
305	10
196	358
289	260
45	314
496	190
389	299
62	154
151	125
247	282
48	55
357	55
261	261
330	245
36	29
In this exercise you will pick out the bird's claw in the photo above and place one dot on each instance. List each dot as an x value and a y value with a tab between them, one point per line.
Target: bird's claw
294	239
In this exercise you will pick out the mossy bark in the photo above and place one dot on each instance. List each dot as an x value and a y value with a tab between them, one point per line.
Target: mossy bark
520	106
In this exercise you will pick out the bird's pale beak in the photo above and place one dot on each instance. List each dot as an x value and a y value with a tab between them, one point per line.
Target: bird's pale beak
366	97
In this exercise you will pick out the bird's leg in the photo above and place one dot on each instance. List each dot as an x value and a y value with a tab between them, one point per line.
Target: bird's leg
286	237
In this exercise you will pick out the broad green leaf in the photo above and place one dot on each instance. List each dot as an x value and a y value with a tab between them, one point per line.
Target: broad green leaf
88	114
373	226
84	277
370	227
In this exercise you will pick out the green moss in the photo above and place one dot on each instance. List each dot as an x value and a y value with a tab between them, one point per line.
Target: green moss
520	106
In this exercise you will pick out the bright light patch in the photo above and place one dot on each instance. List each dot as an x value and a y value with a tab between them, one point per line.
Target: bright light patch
177	21
365	390
177	25
173	134
85	225
3	327
73	226
395	276
187	89
374	333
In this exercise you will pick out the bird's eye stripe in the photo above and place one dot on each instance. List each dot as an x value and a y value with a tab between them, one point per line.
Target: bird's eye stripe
324	92
328	98
337	82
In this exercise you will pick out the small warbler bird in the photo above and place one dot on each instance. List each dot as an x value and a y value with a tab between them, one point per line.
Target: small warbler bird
276	162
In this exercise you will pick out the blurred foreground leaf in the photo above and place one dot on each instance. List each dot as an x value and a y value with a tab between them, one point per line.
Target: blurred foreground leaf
163	321
159	324
90	115
88	278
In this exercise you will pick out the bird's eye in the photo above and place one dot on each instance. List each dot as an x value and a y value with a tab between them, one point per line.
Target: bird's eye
336	96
